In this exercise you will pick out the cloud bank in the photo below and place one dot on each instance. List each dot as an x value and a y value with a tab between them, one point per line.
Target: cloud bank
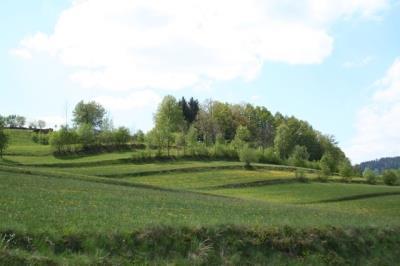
378	124
171	45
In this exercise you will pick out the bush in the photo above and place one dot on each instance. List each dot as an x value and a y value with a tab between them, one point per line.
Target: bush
327	164
299	156
346	171
35	137
106	137
325	167
219	151
269	156
86	135
313	165
248	156
323	177
201	151
143	156
223	151
139	136
40	138
44	139
370	176
122	136
390	177
63	140
300	175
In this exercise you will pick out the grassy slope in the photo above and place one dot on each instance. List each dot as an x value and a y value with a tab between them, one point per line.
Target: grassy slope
63	199
66	205
21	144
205	180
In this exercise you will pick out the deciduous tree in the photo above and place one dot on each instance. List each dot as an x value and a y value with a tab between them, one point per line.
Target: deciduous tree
90	113
168	120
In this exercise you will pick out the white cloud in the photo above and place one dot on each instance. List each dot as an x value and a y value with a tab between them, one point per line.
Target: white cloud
136	100
255	97
143	44
357	64
378	124
21	53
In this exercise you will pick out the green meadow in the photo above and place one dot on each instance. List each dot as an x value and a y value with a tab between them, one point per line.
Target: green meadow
105	209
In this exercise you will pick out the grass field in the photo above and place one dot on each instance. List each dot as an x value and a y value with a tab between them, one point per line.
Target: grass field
103	209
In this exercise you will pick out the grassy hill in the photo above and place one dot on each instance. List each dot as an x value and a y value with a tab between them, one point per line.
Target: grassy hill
104	209
21	144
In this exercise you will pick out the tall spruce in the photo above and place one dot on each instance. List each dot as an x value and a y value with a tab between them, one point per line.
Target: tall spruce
189	109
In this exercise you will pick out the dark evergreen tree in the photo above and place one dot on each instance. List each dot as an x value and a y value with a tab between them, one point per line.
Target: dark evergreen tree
189	109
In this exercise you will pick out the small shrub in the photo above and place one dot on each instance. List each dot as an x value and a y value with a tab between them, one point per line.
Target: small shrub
299	156
322	176
201	151
300	175
219	151
325	170
40	138
269	156
44	139
346	171
390	177
370	176
347	179
35	137
327	164
248	156
142	156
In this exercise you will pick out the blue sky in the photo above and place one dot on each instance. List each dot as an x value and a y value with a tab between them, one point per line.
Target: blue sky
332	63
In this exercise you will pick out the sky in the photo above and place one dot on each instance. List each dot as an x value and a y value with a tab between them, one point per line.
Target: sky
334	63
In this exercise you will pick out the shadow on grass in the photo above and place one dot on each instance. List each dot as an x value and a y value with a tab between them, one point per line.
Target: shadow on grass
8	162
356	197
257	183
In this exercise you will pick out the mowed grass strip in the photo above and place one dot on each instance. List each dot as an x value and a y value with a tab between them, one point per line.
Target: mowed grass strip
132	169
206	180
34	204
377	201
52	161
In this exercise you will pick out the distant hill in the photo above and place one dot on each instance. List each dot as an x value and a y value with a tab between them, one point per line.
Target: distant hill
382	164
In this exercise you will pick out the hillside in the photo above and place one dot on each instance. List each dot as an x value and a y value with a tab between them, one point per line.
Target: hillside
106	209
381	164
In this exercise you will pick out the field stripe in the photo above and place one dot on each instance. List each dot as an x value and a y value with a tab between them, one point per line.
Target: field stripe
357	197
107	181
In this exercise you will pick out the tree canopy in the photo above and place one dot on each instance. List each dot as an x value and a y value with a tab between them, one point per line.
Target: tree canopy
237	125
90	113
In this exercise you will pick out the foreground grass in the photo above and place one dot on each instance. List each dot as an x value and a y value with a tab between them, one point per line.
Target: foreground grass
221	245
105	210
34	203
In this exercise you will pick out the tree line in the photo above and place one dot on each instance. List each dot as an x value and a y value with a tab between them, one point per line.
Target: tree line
18	121
382	164
91	130
210	129
228	129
